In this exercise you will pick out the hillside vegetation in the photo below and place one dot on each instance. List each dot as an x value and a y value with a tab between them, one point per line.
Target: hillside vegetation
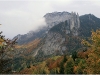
82	62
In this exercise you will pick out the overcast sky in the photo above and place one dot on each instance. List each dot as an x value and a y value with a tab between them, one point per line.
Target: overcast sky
21	16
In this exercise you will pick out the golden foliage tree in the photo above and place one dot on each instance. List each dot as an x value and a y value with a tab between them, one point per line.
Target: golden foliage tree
93	61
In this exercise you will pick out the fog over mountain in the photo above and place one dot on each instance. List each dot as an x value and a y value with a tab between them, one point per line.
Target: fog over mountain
19	17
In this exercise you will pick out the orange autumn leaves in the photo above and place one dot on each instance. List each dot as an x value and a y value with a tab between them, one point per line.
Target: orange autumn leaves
87	62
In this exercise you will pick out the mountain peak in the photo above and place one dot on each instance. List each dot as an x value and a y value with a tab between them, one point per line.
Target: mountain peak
55	18
56	13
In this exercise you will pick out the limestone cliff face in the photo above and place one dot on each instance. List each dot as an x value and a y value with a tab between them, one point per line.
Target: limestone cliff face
74	23
55	18
59	25
52	43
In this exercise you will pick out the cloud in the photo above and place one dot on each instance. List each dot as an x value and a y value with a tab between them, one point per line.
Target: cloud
38	23
20	20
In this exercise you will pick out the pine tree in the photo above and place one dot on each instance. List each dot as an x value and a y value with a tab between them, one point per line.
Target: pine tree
62	67
69	66
62	64
65	59
74	55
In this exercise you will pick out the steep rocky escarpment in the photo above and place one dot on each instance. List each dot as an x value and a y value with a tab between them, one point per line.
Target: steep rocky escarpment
56	36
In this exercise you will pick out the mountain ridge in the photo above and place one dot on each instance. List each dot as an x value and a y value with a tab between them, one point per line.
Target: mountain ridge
50	21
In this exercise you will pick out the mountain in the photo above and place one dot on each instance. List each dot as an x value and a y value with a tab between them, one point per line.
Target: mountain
85	24
55	40
66	37
51	20
62	35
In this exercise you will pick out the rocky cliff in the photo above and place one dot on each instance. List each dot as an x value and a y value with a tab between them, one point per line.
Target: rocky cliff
60	24
57	39
55	18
